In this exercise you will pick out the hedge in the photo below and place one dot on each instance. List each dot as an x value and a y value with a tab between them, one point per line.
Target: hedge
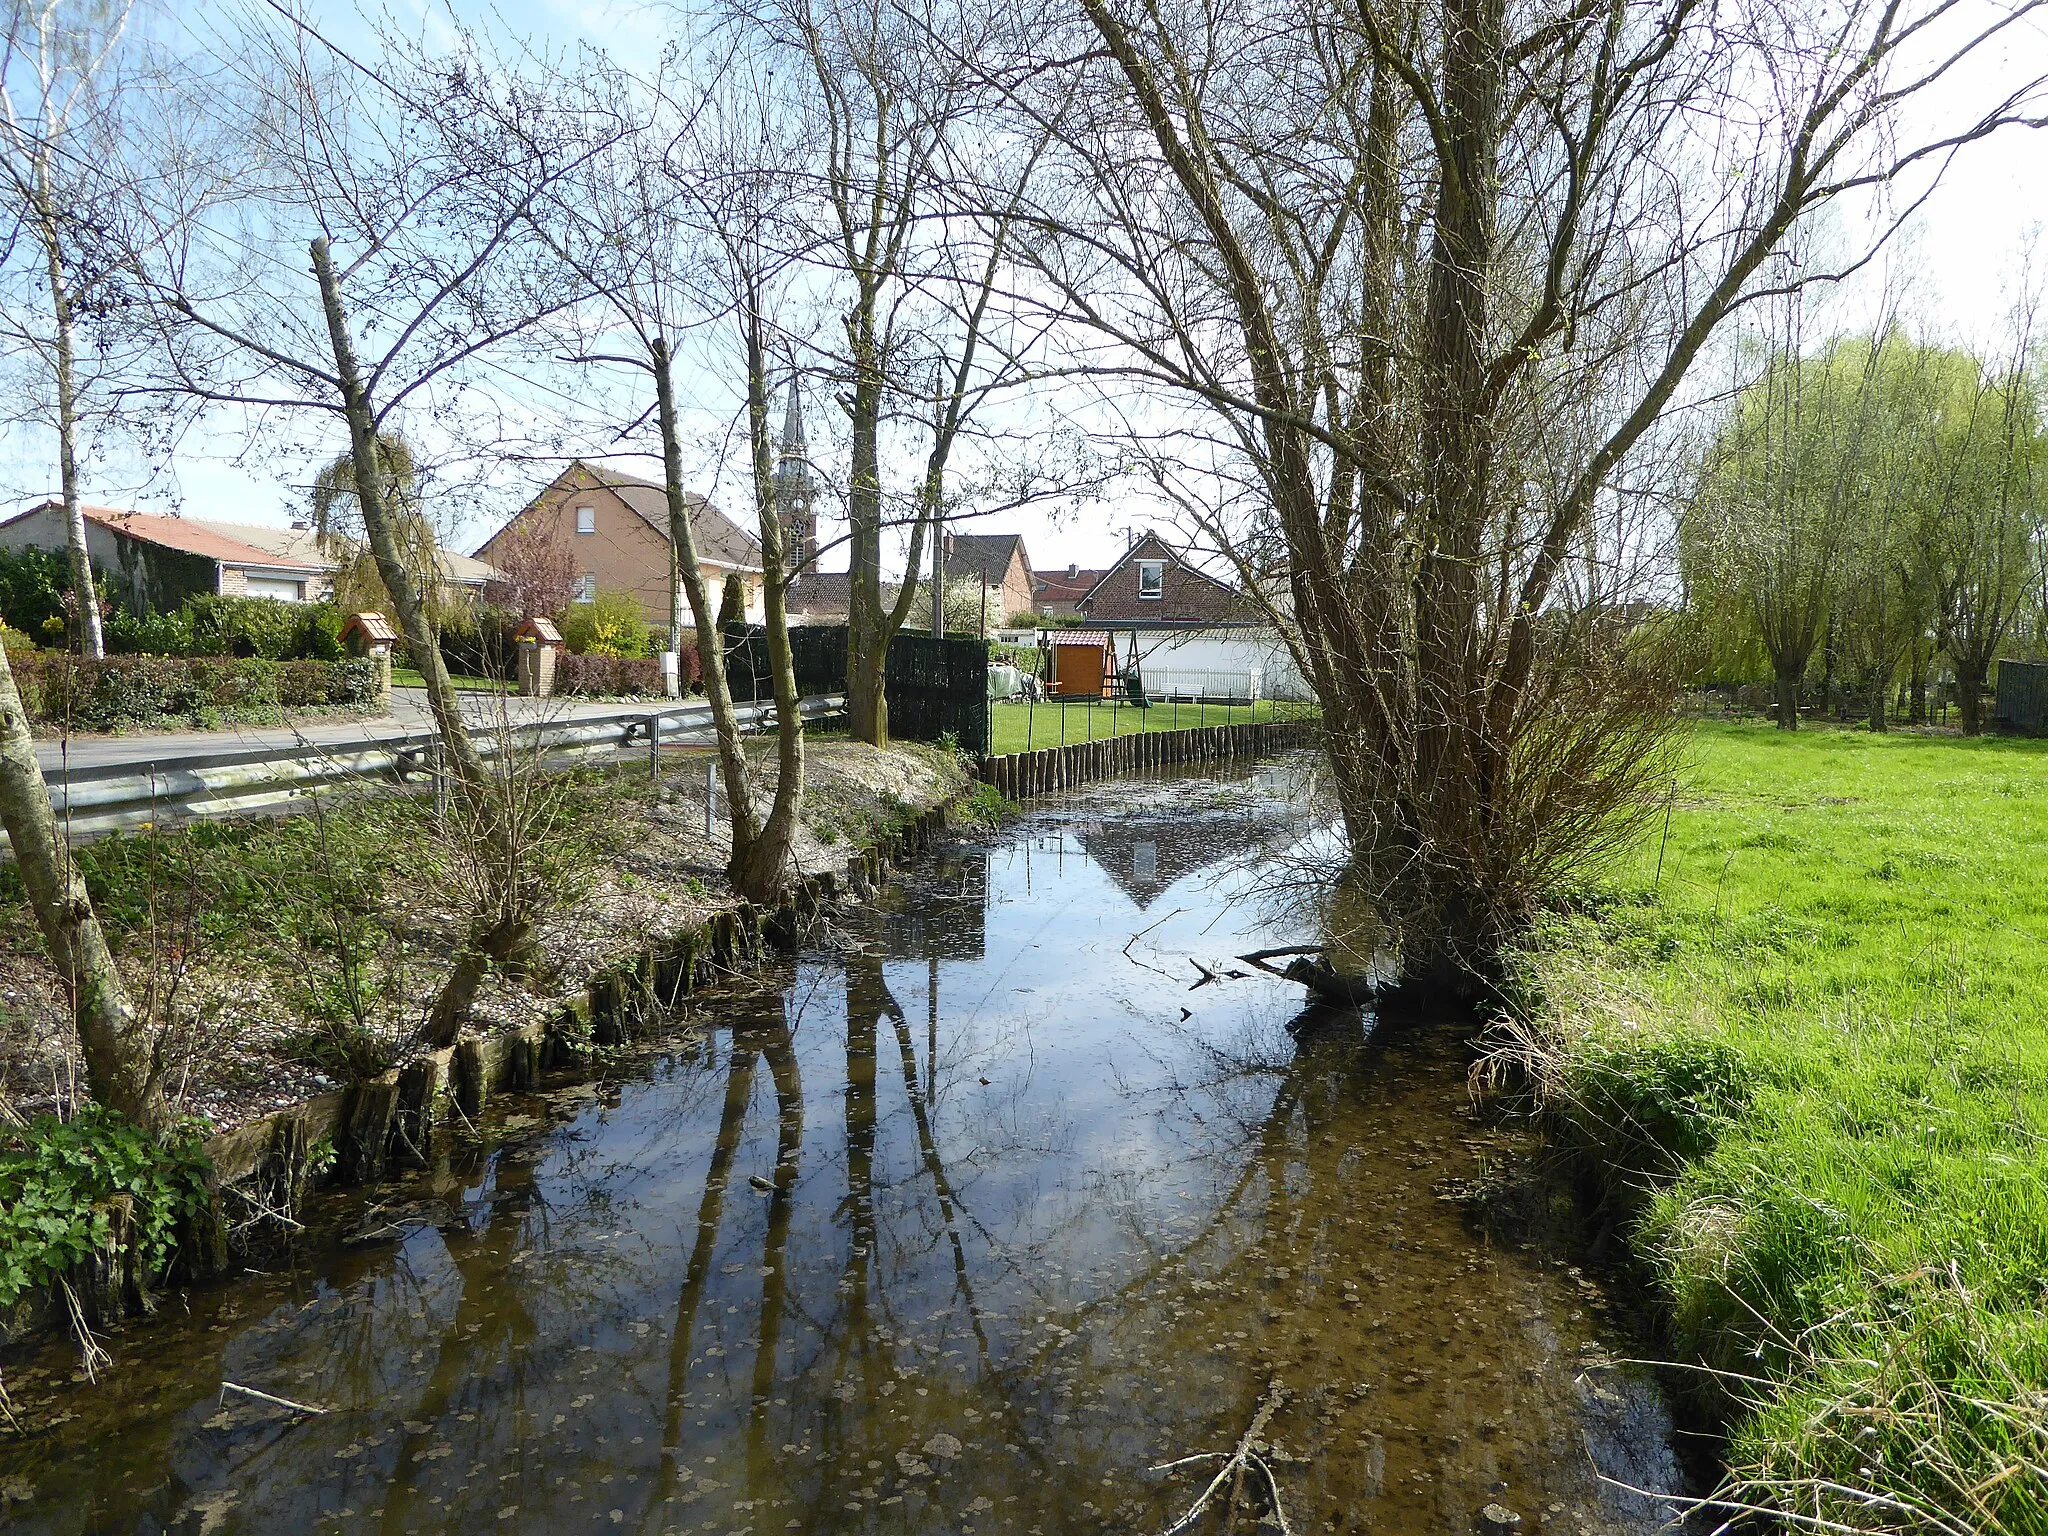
214	625
124	692
616	674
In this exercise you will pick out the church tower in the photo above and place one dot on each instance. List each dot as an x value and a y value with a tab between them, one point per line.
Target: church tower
793	490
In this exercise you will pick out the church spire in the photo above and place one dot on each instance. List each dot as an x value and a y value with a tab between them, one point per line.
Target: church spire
793	488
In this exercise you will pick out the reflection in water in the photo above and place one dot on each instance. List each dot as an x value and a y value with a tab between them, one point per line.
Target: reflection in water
817	1269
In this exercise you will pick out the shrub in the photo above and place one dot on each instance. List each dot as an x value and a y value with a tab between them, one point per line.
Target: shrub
352	682
300	683
59	1182
586	674
610	624
131	691
15	640
32	583
262	626
639	674
595	675
157	634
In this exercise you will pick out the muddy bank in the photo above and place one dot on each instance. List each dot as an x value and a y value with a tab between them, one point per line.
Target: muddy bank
963	1220
288	957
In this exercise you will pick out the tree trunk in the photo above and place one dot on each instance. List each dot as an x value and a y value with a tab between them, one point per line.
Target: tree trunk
732	750
1917	689
120	1067
764	873
90	640
510	933
1788	699
1970	674
1880	699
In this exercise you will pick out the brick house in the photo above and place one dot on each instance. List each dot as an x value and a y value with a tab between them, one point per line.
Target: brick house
1187	634
1057	592
615	527
1152	584
1000	559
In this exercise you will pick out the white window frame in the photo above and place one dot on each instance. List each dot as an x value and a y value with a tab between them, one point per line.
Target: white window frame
586	588
1156	570
586	519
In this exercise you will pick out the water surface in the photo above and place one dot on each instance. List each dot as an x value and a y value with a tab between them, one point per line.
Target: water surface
961	1223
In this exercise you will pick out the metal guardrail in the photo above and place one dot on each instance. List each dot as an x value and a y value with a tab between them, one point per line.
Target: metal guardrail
91	802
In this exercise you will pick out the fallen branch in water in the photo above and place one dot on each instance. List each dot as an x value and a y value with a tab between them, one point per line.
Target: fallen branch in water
1317	974
1233	1468
283	1402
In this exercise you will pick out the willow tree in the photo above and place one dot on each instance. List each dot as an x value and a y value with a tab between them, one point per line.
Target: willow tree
1990	513
1365	253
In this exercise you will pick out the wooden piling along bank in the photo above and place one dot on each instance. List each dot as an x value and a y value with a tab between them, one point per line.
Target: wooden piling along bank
1019	775
389	1123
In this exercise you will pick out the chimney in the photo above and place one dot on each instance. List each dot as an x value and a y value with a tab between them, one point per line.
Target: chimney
1073	573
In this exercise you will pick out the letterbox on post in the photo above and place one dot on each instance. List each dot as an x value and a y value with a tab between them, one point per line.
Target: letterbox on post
538	642
371	635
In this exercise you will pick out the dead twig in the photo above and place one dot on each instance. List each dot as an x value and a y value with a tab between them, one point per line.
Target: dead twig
283	1402
1232	1470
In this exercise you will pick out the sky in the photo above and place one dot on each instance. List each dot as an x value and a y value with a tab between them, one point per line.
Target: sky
1959	260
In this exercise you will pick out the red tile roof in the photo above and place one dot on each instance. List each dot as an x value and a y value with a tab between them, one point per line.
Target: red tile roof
192	537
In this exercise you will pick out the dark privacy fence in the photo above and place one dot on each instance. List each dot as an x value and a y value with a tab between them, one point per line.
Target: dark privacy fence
935	686
2023	697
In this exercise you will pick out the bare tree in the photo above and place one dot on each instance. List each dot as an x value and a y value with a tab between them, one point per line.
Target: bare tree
917	208
681	227
57	99
1368	250
406	179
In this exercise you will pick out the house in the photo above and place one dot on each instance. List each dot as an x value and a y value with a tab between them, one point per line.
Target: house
1186	633
998	559
826	597
615	527
1153	584
1056	594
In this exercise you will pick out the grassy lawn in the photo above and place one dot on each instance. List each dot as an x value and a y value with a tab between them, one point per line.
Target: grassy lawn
1817	1049
408	677
1020	727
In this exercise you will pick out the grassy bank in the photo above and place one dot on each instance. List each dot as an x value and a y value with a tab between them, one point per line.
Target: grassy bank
1018	727
1812	1047
283	957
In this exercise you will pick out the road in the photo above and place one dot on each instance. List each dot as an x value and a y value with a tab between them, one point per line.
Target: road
97	754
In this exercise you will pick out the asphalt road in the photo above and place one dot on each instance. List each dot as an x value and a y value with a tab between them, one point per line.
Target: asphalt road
408	713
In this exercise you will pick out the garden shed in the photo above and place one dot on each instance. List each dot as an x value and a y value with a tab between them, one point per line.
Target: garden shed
2023	697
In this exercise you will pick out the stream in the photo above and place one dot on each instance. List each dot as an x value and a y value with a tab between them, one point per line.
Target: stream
961	1221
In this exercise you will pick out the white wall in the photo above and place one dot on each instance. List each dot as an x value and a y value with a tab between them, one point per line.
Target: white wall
1257	654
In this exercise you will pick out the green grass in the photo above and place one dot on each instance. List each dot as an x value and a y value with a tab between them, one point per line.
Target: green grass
1814	1053
1021	727
409	677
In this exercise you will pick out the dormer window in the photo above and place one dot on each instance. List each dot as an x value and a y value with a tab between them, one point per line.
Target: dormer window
1152	578
586	519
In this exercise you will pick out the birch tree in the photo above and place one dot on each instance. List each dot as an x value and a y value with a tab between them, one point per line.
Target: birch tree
58	96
